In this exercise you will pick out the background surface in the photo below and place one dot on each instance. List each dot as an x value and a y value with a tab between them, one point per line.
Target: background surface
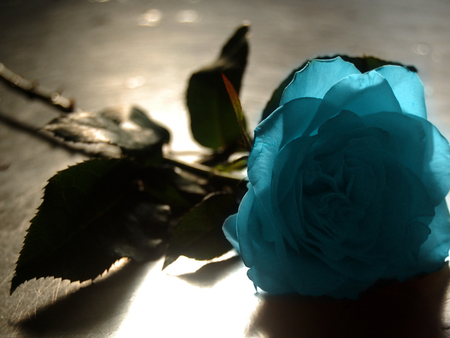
124	52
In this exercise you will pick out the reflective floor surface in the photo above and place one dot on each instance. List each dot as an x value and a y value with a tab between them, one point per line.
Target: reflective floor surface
124	52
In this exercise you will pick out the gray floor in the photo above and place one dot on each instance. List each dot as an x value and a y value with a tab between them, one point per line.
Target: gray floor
110	53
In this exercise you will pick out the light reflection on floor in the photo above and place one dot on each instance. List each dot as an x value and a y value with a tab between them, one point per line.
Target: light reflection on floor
223	310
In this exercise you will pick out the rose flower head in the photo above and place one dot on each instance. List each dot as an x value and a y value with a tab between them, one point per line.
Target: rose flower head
347	185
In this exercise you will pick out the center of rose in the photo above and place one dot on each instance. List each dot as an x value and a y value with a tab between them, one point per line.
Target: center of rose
338	210
328	207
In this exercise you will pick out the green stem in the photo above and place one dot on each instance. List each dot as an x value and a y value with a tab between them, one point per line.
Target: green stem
206	172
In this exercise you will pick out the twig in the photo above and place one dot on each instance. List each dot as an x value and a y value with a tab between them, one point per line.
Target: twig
34	89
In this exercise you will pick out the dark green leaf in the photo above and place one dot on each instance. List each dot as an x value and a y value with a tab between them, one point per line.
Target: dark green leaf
168	187
93	214
368	63
199	233
213	121
363	64
132	130
274	101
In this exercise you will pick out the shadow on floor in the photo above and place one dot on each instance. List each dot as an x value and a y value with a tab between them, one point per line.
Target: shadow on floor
99	307
412	309
212	273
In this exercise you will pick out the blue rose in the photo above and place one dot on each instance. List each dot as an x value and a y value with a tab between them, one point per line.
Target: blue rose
347	185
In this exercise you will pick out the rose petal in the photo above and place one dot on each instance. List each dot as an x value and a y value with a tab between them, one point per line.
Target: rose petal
407	210
230	231
436	160
268	274
270	136
408	89
360	94
236	228
316	78
253	227
284	177
251	239
436	248
307	273
423	149
284	124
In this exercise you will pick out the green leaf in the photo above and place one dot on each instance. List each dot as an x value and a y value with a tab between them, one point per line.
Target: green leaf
213	121
199	233
237	107
363	64
93	214
132	130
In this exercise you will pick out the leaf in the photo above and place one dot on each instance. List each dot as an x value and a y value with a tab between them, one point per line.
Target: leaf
199	233
363	64
237	107
213	120
132	131
168	187
235	101
368	63
93	213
